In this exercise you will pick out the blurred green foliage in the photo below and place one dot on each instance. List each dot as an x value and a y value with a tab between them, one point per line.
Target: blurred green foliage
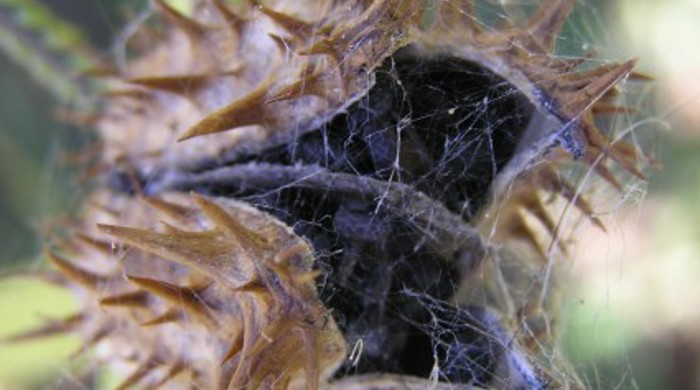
25	304
35	181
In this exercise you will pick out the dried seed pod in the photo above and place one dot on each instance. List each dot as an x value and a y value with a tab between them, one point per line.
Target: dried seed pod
396	137
217	292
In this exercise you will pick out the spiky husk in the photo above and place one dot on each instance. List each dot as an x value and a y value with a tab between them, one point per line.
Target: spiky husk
216	292
221	295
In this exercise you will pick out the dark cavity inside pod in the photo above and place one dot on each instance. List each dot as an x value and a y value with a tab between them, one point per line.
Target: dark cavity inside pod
443	125
385	192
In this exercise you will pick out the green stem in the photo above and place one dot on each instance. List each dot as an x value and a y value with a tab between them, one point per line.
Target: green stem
53	51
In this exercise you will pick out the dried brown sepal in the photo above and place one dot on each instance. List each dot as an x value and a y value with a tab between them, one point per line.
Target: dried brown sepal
183	85
261	96
135	299
170	316
174	370
232	280
84	278
141	371
103	246
50	328
192	27
299	28
184	298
